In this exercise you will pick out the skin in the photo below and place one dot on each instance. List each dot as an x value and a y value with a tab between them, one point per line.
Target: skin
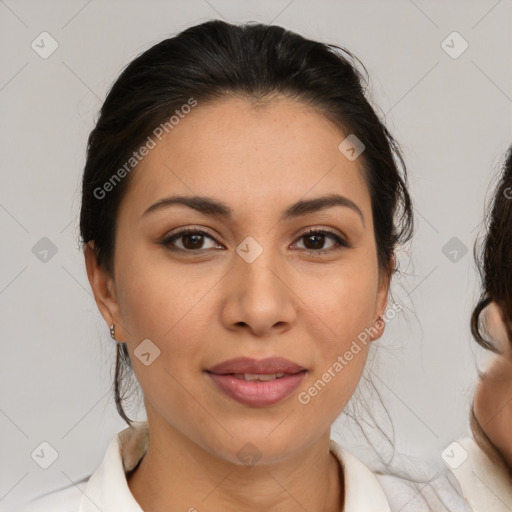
493	395
202	309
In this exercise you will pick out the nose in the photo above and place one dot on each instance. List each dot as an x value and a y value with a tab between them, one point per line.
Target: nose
259	296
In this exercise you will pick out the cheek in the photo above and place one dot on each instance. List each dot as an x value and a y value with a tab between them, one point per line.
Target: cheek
174	306
493	407
345	301
346	307
157	295
499	427
506	427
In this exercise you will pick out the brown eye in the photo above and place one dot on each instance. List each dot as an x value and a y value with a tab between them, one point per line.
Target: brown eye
191	240
314	241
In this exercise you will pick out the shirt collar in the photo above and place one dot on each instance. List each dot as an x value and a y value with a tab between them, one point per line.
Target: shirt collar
485	485
107	489
363	492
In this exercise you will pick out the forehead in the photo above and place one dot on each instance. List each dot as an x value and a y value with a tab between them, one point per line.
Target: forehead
251	155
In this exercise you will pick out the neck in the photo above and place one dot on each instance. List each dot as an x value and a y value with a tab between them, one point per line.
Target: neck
177	474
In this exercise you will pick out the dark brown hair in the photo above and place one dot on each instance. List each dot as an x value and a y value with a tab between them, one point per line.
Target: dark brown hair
494	258
255	61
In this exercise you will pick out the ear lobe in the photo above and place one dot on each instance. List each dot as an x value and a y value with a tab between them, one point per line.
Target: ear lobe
102	286
378	328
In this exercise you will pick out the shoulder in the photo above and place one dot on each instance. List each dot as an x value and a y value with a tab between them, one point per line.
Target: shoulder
62	500
440	493
362	489
107	488
368	490
484	483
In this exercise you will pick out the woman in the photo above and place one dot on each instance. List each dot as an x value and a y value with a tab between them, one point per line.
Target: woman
484	464
241	206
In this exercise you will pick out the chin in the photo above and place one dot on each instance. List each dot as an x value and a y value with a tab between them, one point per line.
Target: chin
260	448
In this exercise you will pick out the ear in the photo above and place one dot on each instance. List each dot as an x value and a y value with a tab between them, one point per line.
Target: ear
103	289
382	299
495	327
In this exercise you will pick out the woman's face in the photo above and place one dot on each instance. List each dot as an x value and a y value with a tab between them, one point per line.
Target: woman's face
493	397
252	285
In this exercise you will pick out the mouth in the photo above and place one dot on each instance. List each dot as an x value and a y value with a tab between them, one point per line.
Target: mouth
262	377
278	366
257	383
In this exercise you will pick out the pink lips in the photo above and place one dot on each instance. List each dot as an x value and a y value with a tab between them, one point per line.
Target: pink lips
279	379
262	366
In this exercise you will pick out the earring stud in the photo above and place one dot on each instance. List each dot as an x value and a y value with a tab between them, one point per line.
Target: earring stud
113	332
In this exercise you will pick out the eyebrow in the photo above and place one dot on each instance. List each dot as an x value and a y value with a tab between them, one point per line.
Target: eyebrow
214	208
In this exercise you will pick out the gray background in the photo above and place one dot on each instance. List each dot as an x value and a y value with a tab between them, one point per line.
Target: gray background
451	116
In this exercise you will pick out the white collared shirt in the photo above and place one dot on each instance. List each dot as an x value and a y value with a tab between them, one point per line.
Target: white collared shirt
485	485
107	488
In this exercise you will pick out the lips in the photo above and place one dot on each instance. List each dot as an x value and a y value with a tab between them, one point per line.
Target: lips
257	383
252	366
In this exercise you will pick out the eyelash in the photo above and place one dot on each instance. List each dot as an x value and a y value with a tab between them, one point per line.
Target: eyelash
341	242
